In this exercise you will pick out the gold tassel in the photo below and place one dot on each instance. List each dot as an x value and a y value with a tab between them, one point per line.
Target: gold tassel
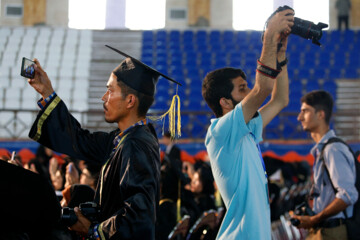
178	203
172	112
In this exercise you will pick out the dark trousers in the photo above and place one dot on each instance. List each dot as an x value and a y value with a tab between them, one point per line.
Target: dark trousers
344	19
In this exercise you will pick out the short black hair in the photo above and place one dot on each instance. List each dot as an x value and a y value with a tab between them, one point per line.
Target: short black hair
218	84
145	101
320	100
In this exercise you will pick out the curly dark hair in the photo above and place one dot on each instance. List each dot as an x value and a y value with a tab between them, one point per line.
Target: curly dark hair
218	84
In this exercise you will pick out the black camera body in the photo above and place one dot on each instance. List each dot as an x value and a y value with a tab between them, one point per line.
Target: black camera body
89	209
302	209
304	28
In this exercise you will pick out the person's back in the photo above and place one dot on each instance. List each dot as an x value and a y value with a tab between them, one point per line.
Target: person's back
238	172
232	138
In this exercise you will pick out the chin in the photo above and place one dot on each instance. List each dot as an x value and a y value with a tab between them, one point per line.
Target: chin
108	120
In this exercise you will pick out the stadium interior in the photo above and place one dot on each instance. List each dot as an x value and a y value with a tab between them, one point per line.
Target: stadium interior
79	64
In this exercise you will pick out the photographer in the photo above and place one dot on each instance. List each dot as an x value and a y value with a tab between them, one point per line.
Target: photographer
334	168
127	193
232	137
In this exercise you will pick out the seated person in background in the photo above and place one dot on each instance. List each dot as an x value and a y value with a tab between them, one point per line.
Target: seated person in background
90	175
35	166
43	155
57	176
71	175
202	187
75	194
171	184
4	155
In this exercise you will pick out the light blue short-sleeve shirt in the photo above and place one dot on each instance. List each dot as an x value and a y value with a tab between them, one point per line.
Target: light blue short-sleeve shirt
239	174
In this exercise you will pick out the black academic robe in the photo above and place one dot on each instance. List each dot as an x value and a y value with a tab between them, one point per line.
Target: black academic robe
128	189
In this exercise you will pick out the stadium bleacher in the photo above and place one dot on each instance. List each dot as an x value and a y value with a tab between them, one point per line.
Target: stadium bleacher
186	55
65	54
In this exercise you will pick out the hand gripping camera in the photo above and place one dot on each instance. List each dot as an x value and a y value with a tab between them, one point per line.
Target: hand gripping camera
302	209
89	209
304	28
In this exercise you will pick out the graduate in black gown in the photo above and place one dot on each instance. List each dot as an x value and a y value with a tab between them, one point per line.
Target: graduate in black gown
128	187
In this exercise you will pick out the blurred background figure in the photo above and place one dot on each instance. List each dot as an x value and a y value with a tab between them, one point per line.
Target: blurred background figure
343	10
90	175
202	187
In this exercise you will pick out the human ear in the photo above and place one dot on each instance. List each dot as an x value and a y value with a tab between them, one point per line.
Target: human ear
224	103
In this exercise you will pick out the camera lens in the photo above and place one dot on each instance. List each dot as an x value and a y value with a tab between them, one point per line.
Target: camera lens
68	216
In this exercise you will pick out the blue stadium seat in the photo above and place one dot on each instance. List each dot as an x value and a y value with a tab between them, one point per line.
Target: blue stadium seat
334	73
318	73
331	87
202	47
229	46
228	36
335	36
348	36
351	72
241	36
147	35
214	36
161	35
174	45
160	103
296	86
235	62
174	35
201	35
188	36
192	73
312	84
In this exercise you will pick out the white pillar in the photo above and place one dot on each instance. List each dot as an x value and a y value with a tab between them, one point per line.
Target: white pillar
278	3
115	14
221	14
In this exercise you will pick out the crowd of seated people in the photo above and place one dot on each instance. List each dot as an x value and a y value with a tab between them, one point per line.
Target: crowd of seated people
73	181
187	189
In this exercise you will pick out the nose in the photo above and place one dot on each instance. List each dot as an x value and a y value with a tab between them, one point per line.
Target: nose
299	118
104	97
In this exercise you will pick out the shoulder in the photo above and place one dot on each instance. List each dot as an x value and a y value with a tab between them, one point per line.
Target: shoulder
336	151
141	137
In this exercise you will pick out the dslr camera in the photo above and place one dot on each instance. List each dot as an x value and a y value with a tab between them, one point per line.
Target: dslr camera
89	209
303	209
303	28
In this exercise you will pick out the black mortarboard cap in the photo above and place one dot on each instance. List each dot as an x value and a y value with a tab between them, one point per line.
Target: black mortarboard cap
28	202
137	74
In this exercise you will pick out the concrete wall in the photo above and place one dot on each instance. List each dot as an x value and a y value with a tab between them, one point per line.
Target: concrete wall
57	13
221	13
10	21
176	23
218	19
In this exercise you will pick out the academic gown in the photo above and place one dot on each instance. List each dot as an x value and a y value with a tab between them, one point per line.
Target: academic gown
128	188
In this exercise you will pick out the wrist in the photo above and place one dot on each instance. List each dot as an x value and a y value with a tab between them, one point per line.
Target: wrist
317	218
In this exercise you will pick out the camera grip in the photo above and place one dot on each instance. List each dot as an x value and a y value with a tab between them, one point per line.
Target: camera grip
295	222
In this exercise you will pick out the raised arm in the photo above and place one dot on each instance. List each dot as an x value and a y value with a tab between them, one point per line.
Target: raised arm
41	82
280	94
279	24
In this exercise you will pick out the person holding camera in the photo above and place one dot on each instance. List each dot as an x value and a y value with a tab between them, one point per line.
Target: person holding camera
334	168
233	136
127	193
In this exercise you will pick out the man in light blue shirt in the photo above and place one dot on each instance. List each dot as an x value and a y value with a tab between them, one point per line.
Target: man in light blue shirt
329	206
232	137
